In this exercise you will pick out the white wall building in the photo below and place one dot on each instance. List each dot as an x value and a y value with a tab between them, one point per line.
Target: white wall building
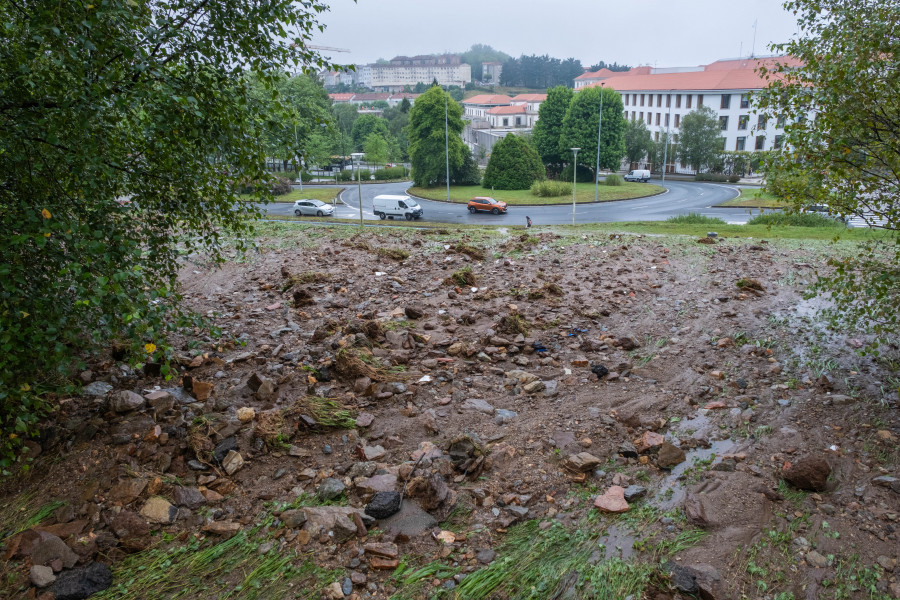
476	107
404	70
661	98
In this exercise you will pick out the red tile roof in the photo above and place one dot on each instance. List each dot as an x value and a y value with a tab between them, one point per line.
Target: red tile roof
602	73
529	98
518	109
341	97
496	99
372	96
402	95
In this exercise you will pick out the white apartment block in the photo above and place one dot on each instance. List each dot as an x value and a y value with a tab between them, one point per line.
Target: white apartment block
661	98
403	70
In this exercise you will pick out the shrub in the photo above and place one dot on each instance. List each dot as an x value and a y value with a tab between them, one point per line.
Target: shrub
346	175
717	177
551	189
389	173
614	180
281	187
365	174
695	219
306	176
734	178
780	219
514	165
584	175
289	175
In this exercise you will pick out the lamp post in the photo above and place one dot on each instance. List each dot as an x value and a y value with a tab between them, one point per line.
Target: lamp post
599	125
447	145
357	156
666	148
574	179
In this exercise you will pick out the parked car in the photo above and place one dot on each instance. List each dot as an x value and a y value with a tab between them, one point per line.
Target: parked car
642	175
313	208
825	211
484	203
385	206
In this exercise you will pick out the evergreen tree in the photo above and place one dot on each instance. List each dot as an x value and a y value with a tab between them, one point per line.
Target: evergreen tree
548	128
514	165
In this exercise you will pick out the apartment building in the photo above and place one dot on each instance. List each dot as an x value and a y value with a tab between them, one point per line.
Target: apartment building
403	71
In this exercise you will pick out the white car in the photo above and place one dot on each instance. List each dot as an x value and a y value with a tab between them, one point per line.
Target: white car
315	208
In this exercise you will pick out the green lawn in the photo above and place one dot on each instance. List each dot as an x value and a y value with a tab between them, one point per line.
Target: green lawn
310	192
755	199
584	193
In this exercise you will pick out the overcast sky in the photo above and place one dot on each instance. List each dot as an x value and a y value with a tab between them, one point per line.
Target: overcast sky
662	33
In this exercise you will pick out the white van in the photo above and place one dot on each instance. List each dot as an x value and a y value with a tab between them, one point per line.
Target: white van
396	207
642	175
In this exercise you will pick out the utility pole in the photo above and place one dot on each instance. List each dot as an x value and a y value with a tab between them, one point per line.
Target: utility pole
447	144
666	148
574	179
599	126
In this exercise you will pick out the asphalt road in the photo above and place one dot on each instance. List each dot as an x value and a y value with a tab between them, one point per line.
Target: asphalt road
680	198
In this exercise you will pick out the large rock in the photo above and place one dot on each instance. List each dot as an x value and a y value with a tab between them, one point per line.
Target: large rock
378	483
41	576
669	456
613	501
125	401
582	462
334	521
188	496
98	388
383	505
50	548
126	492
77	584
232	462
158	510
809	473
649	440
132	530
330	488
409	522
477	404
293	518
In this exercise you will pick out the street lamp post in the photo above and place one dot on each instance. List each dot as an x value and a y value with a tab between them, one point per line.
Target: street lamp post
574	179
357	157
599	125
666	148
447	145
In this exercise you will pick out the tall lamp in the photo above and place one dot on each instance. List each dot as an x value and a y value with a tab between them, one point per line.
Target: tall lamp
574	180
357	157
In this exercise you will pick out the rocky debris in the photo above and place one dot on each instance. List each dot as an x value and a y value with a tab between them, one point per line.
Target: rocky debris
125	401
293	518
41	576
98	389
330	489
599	370
669	456
808	473
816	560
160	401
384	550
486	556
502	416
383	505
581	462
126	492
82	582
413	313
335	522
245	414
634	492
409	522
158	510
648	441
222	528
371	453
188	496
132	530
886	481
613	500
479	405
684	579
365	419
232	462
431	491
52	551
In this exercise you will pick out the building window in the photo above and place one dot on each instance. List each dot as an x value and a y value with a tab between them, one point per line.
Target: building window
688	100
740	144
677	100
667	119
649	99
677	120
632	115
657	118
745	100
625	99
779	124
760	142
726	101
723	123
778	141
649	118
642	99
668	100
518	120
634	99
641	116
743	121
699	100
761	123
505	121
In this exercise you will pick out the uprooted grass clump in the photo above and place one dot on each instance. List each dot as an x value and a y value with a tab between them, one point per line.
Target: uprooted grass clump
513	323
23	512
324	411
351	364
463	277
305	277
393	253
750	284
473	252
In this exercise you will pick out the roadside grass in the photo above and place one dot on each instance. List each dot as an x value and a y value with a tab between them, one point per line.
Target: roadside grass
695	219
325	194
584	193
756	198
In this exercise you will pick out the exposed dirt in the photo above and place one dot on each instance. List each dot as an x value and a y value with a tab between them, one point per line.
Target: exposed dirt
497	385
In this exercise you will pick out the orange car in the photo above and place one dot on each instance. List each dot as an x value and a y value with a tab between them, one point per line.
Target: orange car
488	204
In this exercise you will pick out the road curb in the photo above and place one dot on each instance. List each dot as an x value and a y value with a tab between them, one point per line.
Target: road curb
590	203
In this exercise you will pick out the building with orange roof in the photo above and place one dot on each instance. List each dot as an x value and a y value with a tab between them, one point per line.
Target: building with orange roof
476	107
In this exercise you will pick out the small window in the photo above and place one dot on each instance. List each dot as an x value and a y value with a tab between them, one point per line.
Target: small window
657	118
505	122
779	124
745	100
761	123
659	99
740	143
778	141
649	118
677	100
625	99
723	123
743	121
689	98
642	99
649	99
518	120
634	99
668	100
726	101
723	140
632	115
656	137
760	142
699	100
667	119
641	116
677	121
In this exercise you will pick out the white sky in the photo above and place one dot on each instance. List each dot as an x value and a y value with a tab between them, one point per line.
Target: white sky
663	33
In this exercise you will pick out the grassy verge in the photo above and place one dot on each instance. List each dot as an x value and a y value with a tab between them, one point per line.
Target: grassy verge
584	192
755	199
325	194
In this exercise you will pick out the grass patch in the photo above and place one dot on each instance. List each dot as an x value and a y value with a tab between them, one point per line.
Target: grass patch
791	493
393	253
325	194
304	278
22	512
351	364
415	581
757	198
695	219
234	568
513	324
326	412
463	277
584	193
808	219
473	252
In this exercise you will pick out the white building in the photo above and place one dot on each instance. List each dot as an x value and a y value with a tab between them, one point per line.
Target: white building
408	71
661	98
476	107
491	71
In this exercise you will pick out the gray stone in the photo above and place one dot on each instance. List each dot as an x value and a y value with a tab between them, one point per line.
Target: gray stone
80	583
293	518
551	388
383	505
534	387
633	492
223	448
335	521
378	483
816	560
51	548
362	469
158	510
188	496
502	416
582	462
684	579
98	388
372	453
233	461
410	521
125	400
330	488
477	404
887	481
486	556
347	586
41	576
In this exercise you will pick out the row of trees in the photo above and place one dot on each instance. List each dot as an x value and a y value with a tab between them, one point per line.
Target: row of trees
540	72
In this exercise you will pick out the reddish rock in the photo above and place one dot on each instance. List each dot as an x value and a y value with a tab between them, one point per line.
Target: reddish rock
385	550
202	390
669	456
582	462
613	501
647	441
715	404
223	528
384	564
809	473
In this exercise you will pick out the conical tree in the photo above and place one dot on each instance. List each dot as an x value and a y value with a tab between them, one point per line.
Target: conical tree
514	165
580	128
426	138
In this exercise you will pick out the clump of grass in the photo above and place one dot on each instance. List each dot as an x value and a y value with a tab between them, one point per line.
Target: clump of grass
401	324
393	253
746	283
513	323
351	364
305	277
682	541
270	428
326	412
413	582
616	578
551	189
553	289
780	219
458	518
22	512
463	277
614	180
473	252
790	493
695	219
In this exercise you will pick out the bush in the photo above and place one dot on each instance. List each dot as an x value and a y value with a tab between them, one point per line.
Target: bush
365	174
281	187
734	178
514	165
614	180
717	177
289	175
695	219
390	173
551	189
306	176
585	175
808	219
346	175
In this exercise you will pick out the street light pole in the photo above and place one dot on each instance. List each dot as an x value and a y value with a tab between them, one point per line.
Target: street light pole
599	125
666	148
357	156
447	145
574	179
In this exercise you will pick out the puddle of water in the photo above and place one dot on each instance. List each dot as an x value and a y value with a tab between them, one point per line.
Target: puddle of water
671	482
617	543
